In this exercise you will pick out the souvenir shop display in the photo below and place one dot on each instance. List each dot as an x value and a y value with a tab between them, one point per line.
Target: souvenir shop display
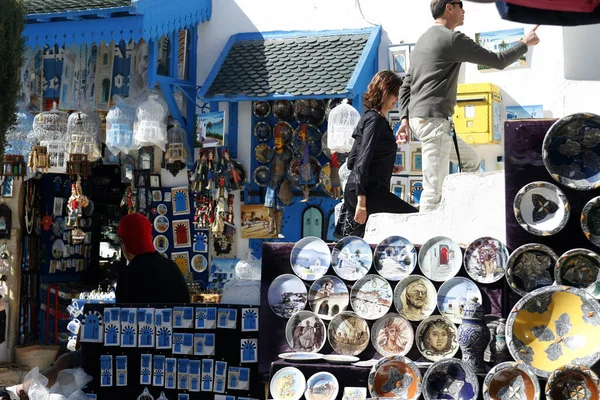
119	127
579	268
541	208
511	379
395	376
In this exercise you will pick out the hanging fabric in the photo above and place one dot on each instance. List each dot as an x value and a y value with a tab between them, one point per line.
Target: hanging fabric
528	15
582	6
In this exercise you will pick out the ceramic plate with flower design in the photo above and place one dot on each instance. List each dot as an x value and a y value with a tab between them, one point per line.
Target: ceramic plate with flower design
579	268
450	379
510	381
453	296
396	377
573	381
351	258
541	208
530	267
348	334
395	258
371	297
440	258
554	326
437	338
590	220
392	335
287	384
485	260
415	297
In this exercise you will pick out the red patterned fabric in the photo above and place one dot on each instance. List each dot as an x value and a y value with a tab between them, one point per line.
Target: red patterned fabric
584	6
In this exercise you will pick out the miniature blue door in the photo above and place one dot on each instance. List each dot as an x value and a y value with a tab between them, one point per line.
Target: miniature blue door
312	222
180	202
223	319
91	330
121	378
194	384
220	387
250	320
111	334
199	347
170	381
183	382
233	381
206	383
164	337
158	378
178	340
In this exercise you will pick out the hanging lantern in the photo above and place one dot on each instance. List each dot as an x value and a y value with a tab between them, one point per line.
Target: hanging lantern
150	127
176	154
119	128
83	131
49	130
342	121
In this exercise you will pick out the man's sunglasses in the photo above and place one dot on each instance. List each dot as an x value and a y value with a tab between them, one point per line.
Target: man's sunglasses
458	3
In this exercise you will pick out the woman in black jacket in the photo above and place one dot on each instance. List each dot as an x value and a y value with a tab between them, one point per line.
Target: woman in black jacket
371	160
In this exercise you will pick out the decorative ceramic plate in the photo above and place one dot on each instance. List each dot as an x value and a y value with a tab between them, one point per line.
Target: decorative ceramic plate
263	153
199	263
58	249
161	209
261	176
161	223
285	130
365	364
348	334
395	376
161	243
530	267
576	382
511	381
351	258
305	332
571	151
415	297
392	335
262	131
261	109
395	258
328	296
450	379
371	297
309	111
283	110
579	268
313	139
322	386
485	260
310	258
287	295
554	326
300	356
340	359
287	384
437	338
354	393
440	258
295	177
590	221
541	208
453	296
325	180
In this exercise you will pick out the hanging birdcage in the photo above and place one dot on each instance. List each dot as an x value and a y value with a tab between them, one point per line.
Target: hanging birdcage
83	131
176	154
150	127
17	137
342	121
119	128
49	130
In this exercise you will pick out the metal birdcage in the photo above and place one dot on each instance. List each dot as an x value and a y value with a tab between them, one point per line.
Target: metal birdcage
49	130
150	128
119	128
17	137
340	125
83	132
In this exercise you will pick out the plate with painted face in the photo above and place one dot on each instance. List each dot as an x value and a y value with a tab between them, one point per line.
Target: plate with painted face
322	386
285	130
287	295
395	377
437	338
485	260
530	267
351	258
511	380
590	220
579	268
310	258
453	296
328	296
395	258
288	384
440	258
573	381
371	297
415	297
261	109
262	131
392	335
305	332
541	208
348	334
451	378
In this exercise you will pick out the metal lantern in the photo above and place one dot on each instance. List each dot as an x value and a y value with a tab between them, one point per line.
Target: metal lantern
83	132
342	121
119	128
150	128
176	154
49	130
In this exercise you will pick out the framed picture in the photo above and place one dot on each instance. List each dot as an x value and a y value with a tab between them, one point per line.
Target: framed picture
57	208
181	233
400	158
155	181
417	159
210	129
497	41
156	196
255	222
400	58
182	259
145	161
180	200
399	190
416	188
7	186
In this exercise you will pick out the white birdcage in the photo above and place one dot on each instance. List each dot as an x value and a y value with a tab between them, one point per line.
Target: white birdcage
119	128
83	131
342	121
17	137
49	130
150	128
176	144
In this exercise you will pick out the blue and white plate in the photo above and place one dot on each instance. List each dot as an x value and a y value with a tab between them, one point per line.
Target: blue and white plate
287	295
310	258
453	296
395	258
351	258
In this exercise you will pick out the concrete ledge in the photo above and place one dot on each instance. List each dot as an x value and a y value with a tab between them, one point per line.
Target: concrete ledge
472	206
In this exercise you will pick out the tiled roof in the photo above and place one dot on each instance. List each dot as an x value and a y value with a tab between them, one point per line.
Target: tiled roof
298	66
56	6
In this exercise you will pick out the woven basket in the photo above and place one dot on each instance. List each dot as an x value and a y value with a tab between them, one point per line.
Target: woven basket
41	356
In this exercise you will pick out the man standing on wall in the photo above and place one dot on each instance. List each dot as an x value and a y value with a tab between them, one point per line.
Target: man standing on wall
428	93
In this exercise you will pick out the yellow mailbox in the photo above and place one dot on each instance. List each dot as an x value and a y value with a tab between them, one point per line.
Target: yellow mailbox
478	113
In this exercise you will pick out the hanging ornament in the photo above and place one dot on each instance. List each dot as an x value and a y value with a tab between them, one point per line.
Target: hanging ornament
77	202
49	130
119	127
18	147
150	128
47	222
176	154
83	132
340	125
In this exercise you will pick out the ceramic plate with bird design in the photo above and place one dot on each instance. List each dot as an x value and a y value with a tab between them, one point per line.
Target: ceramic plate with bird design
541	208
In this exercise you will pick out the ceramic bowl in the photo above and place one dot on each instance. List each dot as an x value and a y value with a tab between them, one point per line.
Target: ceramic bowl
322	386
392	335
453	296
440	258
285	130
313	139
573	381
579	268
371	297
395	258
355	393
437	338
283	110
590	220
511	380
262	131
530	267
287	384
485	260
395	376
541	208
310	258
348	334
328	296
450	379
571	151
554	326
261	176
351	258
261	109
305	332
415	297
287	295
309	111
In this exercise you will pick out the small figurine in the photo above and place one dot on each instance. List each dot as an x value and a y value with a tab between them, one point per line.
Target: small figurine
199	173
307	175
218	224
210	168
272	201
77	202
233	175
128	200
336	189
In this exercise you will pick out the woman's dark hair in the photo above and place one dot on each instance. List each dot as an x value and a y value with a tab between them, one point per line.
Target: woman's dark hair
383	84
438	7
